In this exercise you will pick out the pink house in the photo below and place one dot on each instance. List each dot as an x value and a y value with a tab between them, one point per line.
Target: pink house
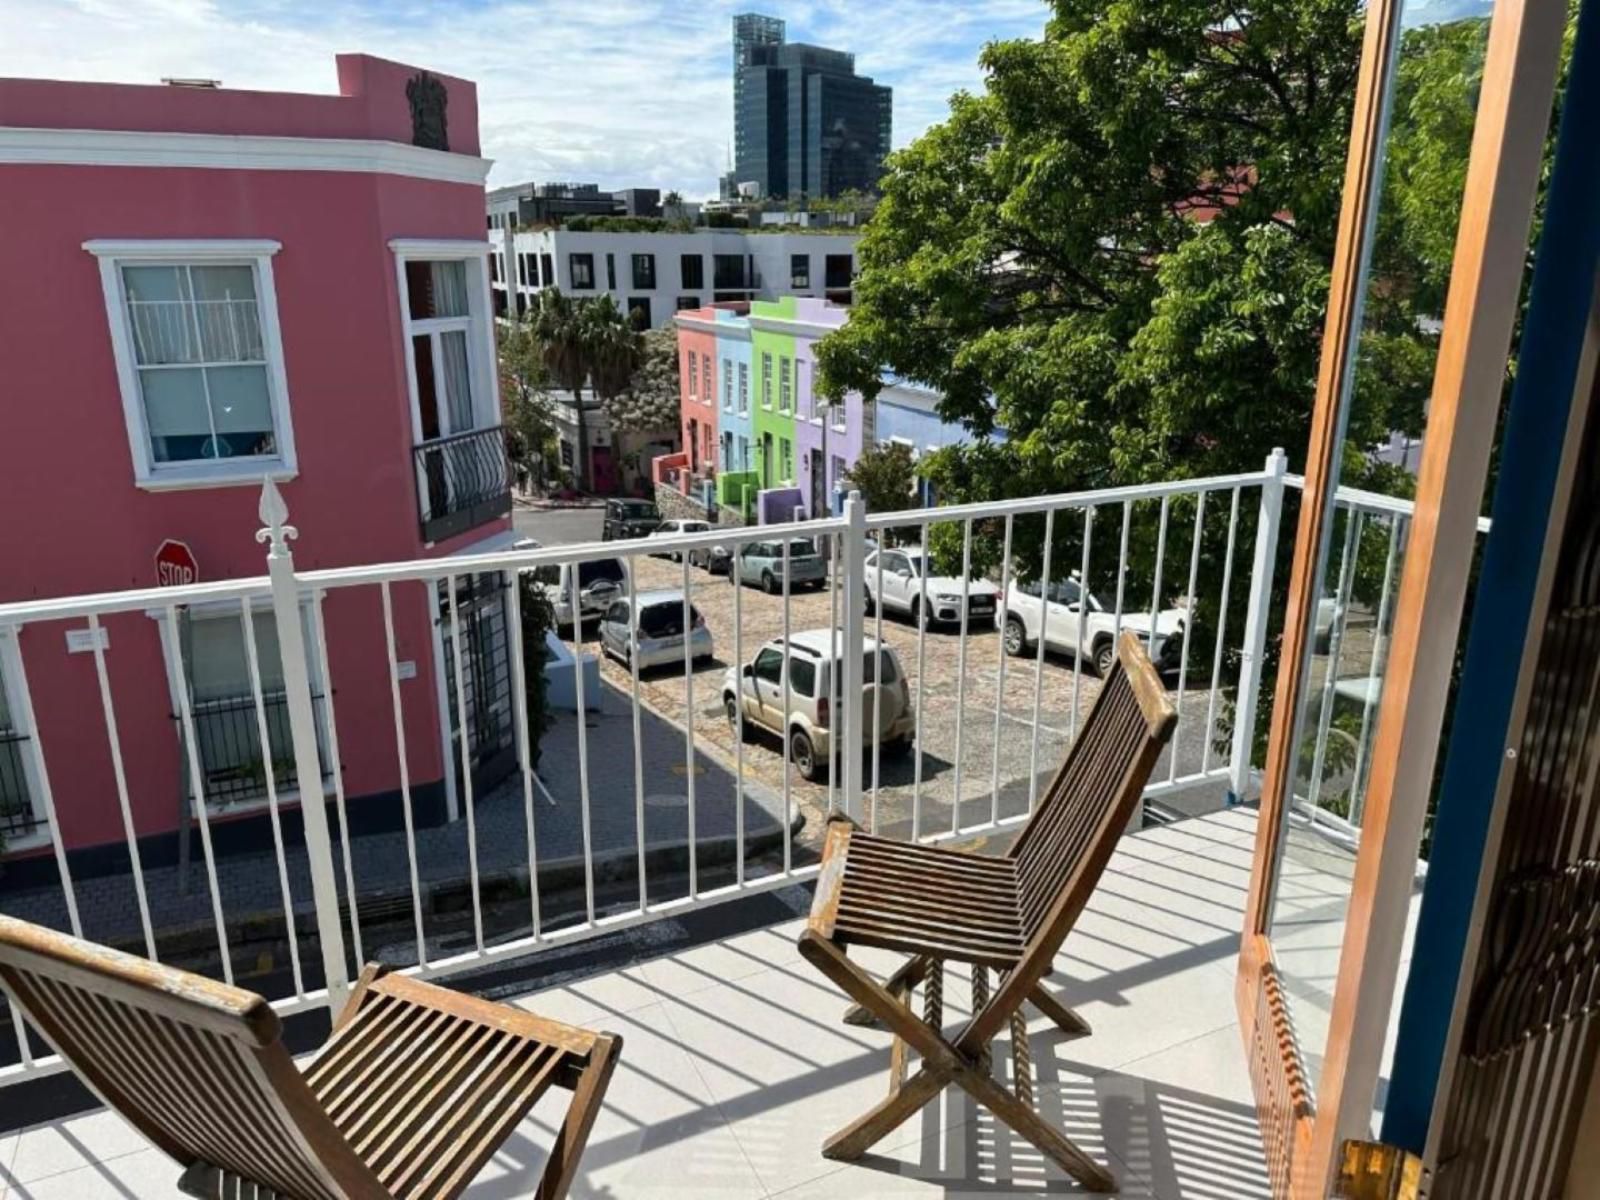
201	287
697	409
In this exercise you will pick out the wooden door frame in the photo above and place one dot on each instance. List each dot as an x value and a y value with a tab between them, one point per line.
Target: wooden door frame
1302	1135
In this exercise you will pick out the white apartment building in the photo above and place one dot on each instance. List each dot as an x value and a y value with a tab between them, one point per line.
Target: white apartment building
657	274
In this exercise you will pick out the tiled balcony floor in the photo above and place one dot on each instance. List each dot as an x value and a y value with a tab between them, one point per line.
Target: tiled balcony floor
735	1064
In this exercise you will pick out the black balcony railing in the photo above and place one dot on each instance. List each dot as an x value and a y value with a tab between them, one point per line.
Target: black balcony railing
233	765
463	481
17	816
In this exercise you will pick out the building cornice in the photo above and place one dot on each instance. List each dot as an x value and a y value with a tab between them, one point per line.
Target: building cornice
237	152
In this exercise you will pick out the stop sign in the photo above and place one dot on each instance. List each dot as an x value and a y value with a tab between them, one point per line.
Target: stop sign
176	564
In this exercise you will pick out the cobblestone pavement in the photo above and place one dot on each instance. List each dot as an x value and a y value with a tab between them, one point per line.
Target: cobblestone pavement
958	716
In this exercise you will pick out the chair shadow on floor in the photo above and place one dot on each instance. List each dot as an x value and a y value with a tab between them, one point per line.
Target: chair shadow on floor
1161	1141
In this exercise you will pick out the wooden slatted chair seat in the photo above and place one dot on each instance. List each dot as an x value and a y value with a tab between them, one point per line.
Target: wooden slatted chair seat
896	895
416	1089
1008	914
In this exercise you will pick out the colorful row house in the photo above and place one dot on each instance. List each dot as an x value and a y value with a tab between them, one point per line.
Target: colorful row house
757	438
752	427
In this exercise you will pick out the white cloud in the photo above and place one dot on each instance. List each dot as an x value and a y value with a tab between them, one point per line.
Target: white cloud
621	92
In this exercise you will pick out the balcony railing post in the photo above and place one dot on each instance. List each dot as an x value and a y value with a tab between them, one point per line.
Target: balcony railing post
303	730
1255	626
852	585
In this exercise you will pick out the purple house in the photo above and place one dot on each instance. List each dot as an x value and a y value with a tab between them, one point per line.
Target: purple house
827	438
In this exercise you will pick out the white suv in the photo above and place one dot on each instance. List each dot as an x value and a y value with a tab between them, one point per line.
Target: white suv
1022	616
814	663
902	589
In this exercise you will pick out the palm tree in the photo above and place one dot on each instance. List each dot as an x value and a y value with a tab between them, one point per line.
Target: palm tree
585	341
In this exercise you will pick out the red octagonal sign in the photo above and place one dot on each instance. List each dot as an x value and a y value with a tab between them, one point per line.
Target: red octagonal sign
176	564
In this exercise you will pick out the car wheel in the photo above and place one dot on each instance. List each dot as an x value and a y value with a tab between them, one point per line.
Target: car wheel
769	583
919	615
804	756
871	604
731	707
1016	637
900	747
1105	657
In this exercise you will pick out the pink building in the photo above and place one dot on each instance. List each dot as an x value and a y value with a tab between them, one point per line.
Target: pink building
200	287
697	409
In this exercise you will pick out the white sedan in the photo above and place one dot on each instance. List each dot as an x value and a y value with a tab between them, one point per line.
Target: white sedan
900	587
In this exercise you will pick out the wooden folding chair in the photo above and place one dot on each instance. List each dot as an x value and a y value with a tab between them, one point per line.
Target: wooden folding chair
415	1090
1007	913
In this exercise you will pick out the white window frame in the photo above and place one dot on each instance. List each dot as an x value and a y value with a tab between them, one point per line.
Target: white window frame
744	388
694	375
228	610
727	385
785	384
22	722
257	255
485	381
839	417
766	380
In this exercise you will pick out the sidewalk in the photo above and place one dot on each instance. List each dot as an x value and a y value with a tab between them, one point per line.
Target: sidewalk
251	891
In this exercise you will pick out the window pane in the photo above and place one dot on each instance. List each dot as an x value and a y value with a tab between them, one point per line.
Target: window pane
241	411
216	657
437	289
457	380
225	312
160	314
175	412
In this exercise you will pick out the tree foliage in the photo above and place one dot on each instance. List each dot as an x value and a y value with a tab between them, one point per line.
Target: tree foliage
524	393
1118	256
587	341
650	401
885	475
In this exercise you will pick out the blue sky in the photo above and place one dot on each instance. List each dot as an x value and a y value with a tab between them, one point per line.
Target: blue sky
620	92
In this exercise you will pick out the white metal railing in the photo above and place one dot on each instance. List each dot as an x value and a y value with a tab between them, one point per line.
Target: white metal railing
648	874
1348	658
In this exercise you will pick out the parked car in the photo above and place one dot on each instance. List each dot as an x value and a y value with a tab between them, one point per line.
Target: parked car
713	558
1021	617
629	519
900	588
657	636
599	583
815	660
762	563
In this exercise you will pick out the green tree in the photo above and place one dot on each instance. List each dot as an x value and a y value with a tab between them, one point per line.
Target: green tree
585	342
524	392
1119	252
885	476
538	619
650	401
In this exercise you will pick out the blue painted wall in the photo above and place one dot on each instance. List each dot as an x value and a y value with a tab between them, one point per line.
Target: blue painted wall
1547	364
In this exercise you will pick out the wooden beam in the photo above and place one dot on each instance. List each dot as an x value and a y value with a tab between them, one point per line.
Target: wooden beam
1491	250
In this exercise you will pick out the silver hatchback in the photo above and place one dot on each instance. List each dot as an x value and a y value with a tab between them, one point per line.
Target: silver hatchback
761	563
657	637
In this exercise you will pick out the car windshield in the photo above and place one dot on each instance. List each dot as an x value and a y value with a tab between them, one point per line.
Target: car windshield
665	619
607	570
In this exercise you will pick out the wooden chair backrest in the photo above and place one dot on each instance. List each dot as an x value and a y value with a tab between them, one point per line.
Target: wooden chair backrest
1065	846
195	1065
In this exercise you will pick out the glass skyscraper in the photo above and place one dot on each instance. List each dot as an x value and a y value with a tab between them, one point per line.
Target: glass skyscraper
805	124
